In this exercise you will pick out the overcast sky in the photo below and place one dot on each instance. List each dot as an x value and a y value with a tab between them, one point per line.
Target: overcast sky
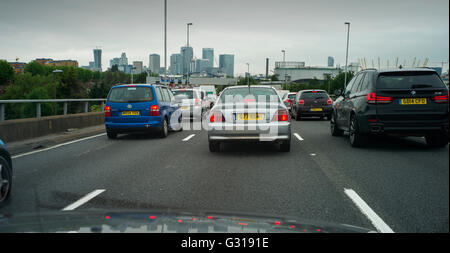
252	30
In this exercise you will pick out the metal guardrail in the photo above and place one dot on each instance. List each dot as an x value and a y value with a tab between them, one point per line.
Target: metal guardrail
39	101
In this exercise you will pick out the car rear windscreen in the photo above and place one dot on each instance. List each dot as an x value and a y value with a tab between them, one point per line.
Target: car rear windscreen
409	80
131	95
291	96
188	93
249	95
314	95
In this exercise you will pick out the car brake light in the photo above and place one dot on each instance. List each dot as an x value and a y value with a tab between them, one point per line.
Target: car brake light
440	99
154	110
107	111
197	101
280	115
217	116
372	98
287	101
329	102
301	102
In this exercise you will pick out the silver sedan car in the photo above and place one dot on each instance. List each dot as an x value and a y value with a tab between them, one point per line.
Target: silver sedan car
254	113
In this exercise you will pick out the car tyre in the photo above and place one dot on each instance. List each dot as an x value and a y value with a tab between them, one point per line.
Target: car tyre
5	182
437	140
335	131
285	146
214	146
356	138
164	132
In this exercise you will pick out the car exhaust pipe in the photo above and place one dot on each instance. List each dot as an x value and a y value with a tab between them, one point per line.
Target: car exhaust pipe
376	129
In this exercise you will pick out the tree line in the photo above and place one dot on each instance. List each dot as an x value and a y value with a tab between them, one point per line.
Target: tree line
39	82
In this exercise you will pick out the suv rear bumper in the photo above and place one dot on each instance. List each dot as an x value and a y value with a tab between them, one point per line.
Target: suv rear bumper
409	127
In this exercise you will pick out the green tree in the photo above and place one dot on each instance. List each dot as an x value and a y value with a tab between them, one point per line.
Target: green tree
6	72
244	81
35	68
115	68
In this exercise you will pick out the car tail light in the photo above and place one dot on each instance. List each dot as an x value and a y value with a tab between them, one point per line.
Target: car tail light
301	102
441	99
217	116
154	110
329	102
372	98
281	115
197	101
287	101
107	111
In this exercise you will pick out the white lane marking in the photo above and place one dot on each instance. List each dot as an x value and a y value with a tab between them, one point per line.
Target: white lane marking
298	136
313	154
57	146
379	224
189	137
83	200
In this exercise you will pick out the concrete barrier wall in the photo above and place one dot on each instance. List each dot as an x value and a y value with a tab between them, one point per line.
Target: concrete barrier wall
22	129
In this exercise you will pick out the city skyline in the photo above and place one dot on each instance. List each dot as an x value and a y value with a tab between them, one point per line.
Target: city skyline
319	33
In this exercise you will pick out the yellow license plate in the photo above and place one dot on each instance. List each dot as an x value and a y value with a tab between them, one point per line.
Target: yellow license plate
413	101
130	113
316	109
185	108
248	116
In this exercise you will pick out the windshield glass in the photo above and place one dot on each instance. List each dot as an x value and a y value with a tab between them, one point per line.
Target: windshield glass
224	116
236	95
314	95
409	80
131	95
188	93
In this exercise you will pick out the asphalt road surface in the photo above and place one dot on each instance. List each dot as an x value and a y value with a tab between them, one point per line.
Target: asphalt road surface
394	184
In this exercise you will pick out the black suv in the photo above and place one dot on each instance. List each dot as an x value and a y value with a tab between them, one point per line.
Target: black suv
408	102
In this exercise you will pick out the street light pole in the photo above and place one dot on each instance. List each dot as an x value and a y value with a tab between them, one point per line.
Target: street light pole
248	77
284	64
165	41
346	55
189	63
55	72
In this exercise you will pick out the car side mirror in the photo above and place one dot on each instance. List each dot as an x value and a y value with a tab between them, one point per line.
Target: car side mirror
338	93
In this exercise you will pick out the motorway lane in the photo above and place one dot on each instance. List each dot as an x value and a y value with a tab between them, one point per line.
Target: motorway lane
145	172
404	181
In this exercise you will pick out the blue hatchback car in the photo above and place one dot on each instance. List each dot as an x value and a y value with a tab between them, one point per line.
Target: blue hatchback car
141	108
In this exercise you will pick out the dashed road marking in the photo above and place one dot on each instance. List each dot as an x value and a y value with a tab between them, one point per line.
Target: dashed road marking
83	200
298	137
189	137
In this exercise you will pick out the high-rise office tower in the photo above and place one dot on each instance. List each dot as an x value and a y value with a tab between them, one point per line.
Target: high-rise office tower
330	61
154	63
176	64
208	54
187	55
226	64
98	59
